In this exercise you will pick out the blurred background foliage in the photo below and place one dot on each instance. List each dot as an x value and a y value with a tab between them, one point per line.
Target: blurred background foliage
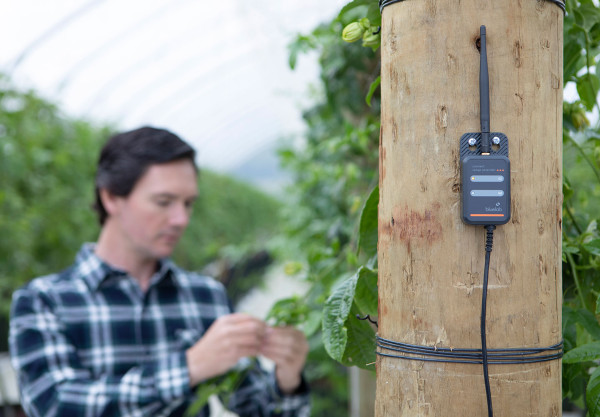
334	169
47	166
47	169
335	216
581	189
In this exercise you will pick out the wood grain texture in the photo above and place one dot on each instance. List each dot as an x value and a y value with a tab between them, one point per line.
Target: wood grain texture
430	263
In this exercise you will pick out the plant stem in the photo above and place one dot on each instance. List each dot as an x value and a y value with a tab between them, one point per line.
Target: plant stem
589	61
576	279
591	164
572	217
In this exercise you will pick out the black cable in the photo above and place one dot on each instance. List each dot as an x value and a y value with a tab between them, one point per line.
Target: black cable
483	356
560	4
509	356
489	240
383	3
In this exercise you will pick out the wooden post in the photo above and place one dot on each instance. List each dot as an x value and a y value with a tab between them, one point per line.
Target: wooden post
430	263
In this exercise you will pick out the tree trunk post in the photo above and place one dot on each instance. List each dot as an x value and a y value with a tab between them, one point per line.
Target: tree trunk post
430	263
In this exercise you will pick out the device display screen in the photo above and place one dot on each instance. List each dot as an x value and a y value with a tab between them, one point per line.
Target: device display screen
486	189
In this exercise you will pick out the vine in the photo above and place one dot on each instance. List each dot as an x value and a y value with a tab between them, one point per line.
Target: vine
336	172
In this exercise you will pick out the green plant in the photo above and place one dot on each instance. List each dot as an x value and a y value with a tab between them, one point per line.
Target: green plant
47	170
333	171
339	248
581	186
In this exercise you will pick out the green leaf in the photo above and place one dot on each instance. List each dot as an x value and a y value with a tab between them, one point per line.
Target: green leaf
593	393
372	89
593	247
365	295
568	248
357	9
374	14
595	33
578	17
592	228
312	323
215	386
336	311
589	322
350	10
587	88
368	224
341	329
567	189
589	15
585	353
290	311
360	349
301	44
578	34
574	382
569	329
573	59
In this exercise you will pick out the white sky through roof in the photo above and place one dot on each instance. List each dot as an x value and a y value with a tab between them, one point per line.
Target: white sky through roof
214	72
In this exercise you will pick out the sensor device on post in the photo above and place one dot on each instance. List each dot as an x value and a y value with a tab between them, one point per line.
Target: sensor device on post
485	189
485	167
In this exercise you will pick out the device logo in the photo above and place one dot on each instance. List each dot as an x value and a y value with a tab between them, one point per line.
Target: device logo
497	208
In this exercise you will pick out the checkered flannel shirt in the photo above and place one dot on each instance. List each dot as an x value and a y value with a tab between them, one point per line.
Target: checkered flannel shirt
89	342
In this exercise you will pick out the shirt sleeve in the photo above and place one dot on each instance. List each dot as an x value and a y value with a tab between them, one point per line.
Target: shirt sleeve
53	382
259	396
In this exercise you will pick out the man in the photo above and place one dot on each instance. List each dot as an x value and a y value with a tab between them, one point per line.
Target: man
124	331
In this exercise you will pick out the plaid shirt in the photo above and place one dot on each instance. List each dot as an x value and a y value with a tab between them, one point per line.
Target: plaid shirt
89	342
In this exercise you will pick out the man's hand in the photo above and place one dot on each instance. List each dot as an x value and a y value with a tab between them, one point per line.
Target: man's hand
229	339
287	347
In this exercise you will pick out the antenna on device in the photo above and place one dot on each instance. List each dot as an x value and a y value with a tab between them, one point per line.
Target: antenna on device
484	94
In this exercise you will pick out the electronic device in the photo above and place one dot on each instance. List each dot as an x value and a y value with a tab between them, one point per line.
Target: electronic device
485	167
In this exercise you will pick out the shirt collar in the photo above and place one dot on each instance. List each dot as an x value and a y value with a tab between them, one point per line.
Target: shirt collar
94	271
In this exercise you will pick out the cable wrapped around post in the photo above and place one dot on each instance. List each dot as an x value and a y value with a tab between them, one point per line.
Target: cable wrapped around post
508	356
383	3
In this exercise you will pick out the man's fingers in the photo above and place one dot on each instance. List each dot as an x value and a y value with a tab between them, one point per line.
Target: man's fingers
285	353
237	318
285	345
276	347
228	339
235	325
279	356
286	337
246	340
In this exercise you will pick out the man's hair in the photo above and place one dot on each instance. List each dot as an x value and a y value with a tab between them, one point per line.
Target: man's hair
126	157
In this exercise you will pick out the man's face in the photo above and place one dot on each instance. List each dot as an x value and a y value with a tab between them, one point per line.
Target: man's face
152	218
